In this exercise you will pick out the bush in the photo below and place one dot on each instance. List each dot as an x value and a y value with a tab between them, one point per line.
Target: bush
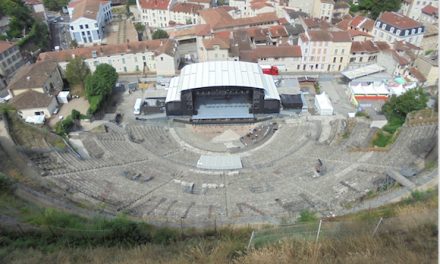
63	127
393	124
382	139
362	113
54	218
307	216
76	115
165	236
5	183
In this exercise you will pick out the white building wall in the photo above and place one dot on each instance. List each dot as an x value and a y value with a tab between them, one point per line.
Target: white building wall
48	111
381	34
290	64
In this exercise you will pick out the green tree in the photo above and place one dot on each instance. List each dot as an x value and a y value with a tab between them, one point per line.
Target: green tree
375	7
77	71
102	81
139	27
397	107
55	5
160	34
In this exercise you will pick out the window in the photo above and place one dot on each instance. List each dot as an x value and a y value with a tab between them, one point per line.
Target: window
81	27
341	59
334	59
125	69
87	26
384	26
342	51
123	60
336	51
398	32
392	30
71	27
161	58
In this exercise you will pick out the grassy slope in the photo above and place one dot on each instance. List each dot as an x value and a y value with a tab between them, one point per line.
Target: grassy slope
409	237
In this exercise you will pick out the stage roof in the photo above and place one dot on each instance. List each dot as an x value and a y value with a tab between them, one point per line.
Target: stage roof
363	71
222	73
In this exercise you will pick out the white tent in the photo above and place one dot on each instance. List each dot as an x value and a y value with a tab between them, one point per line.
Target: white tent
323	105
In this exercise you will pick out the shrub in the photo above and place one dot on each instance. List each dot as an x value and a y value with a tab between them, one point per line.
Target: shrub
76	115
63	127
307	216
382	139
5	183
165	236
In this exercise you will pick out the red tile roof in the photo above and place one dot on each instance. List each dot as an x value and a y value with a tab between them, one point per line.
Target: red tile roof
364	46
86	8
186	8
157	46
219	18
398	20
430	10
154	4
271	52
340	36
216	41
4	45
278	31
417	74
354	33
362	22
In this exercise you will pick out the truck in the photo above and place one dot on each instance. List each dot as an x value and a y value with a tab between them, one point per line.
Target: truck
137	106
268	69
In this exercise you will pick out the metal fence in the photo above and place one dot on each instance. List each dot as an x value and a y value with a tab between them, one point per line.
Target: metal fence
313	231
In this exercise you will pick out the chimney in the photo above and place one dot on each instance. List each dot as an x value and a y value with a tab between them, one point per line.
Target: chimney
161	43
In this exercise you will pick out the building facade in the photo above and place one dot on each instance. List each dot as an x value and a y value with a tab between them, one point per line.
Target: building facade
10	60
392	26
151	56
88	19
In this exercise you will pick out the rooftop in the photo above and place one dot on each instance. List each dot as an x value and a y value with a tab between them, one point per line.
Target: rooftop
186	8
398	20
157	46
86	8
31	99
222	73
32	75
154	4
4	45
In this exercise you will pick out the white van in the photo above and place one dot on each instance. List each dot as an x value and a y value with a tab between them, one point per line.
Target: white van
137	106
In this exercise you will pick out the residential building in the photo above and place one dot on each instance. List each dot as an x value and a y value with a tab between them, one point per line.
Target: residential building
37	8
42	77
428	66
413	8
429	15
150	56
88	19
340	10
204	3
184	13
252	8
165	13
31	103
215	48
219	20
286	58
324	50
392	26
10	61
364	53
323	9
